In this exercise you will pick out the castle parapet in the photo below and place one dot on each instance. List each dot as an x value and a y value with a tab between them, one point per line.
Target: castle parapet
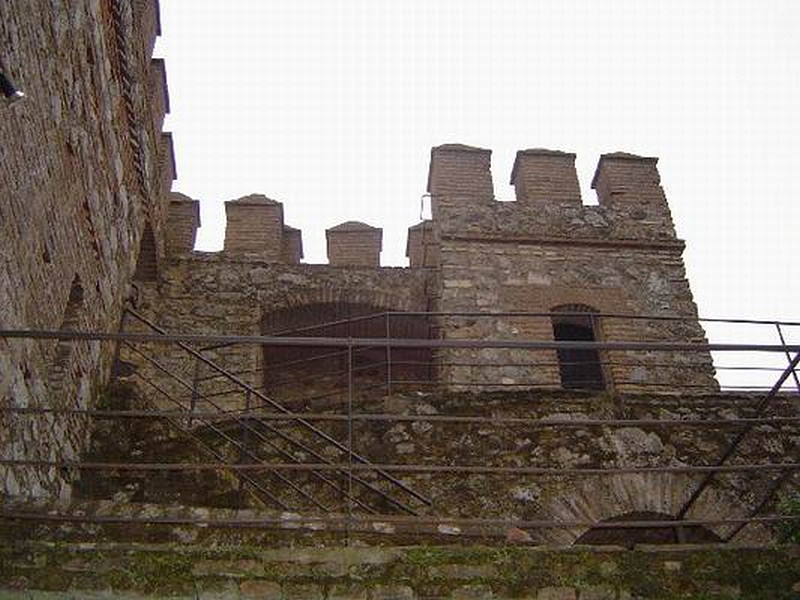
169	171
147	19
541	175
159	94
459	171
630	187
354	244
182	222
254	225
291	246
422	247
632	206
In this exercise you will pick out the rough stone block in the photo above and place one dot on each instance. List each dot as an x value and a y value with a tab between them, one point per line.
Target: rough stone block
597	593
557	593
391	592
260	590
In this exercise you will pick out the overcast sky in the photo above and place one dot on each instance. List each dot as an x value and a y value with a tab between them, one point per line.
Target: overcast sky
332	106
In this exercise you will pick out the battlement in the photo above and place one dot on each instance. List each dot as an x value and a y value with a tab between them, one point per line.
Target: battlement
632	208
632	205
354	244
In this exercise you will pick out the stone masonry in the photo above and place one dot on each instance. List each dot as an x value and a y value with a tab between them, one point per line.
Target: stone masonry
84	168
548	250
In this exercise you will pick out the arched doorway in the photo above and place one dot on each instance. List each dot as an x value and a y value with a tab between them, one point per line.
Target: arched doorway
323	374
630	536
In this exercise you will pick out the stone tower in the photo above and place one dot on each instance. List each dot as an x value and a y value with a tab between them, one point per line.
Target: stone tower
547	252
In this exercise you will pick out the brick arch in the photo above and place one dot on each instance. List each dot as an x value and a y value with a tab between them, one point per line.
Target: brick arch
608	498
301	372
345	295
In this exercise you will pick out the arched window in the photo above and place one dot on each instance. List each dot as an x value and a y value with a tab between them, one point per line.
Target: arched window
579	368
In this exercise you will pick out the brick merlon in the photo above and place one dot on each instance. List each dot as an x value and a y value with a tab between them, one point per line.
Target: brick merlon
621	156
536	152
451	148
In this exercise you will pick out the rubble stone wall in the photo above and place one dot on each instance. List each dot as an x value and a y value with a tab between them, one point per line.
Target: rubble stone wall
81	177
225	294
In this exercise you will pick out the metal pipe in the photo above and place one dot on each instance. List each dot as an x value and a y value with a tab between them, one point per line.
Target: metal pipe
185	338
258	434
403	468
281	408
788	356
734	445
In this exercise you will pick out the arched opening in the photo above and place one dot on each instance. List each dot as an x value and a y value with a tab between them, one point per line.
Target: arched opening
579	368
317	373
147	263
630	536
63	350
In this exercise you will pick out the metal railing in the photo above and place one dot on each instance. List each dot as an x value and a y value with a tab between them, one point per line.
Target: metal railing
291	431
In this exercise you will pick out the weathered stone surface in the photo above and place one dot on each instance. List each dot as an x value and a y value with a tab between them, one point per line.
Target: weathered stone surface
391	592
261	590
557	593
597	593
82	197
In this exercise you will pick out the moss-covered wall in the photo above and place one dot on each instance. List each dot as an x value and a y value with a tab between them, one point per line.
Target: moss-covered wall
126	571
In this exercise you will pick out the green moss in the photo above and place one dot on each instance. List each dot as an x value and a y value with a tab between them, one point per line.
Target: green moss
430	571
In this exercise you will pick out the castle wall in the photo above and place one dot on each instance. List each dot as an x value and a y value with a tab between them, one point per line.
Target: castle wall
548	250
83	170
229	294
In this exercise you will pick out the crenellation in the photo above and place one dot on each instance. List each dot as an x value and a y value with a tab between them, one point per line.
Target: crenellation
147	14
460	175
541	175
183	220
422	247
254	224
159	92
354	244
629	187
89	229
169	171
292	245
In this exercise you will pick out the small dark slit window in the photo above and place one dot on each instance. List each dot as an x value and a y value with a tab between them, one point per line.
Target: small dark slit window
579	368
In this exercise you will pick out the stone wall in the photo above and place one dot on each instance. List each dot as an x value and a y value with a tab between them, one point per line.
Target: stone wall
83	171
238	294
65	571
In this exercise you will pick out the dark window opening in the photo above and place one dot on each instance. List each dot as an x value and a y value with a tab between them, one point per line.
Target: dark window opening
147	263
579	368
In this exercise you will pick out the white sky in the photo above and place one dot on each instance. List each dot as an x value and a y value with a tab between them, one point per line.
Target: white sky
332	106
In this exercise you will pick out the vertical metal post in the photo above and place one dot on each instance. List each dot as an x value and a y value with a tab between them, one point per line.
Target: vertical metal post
388	356
244	448
788	355
349	437
118	344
